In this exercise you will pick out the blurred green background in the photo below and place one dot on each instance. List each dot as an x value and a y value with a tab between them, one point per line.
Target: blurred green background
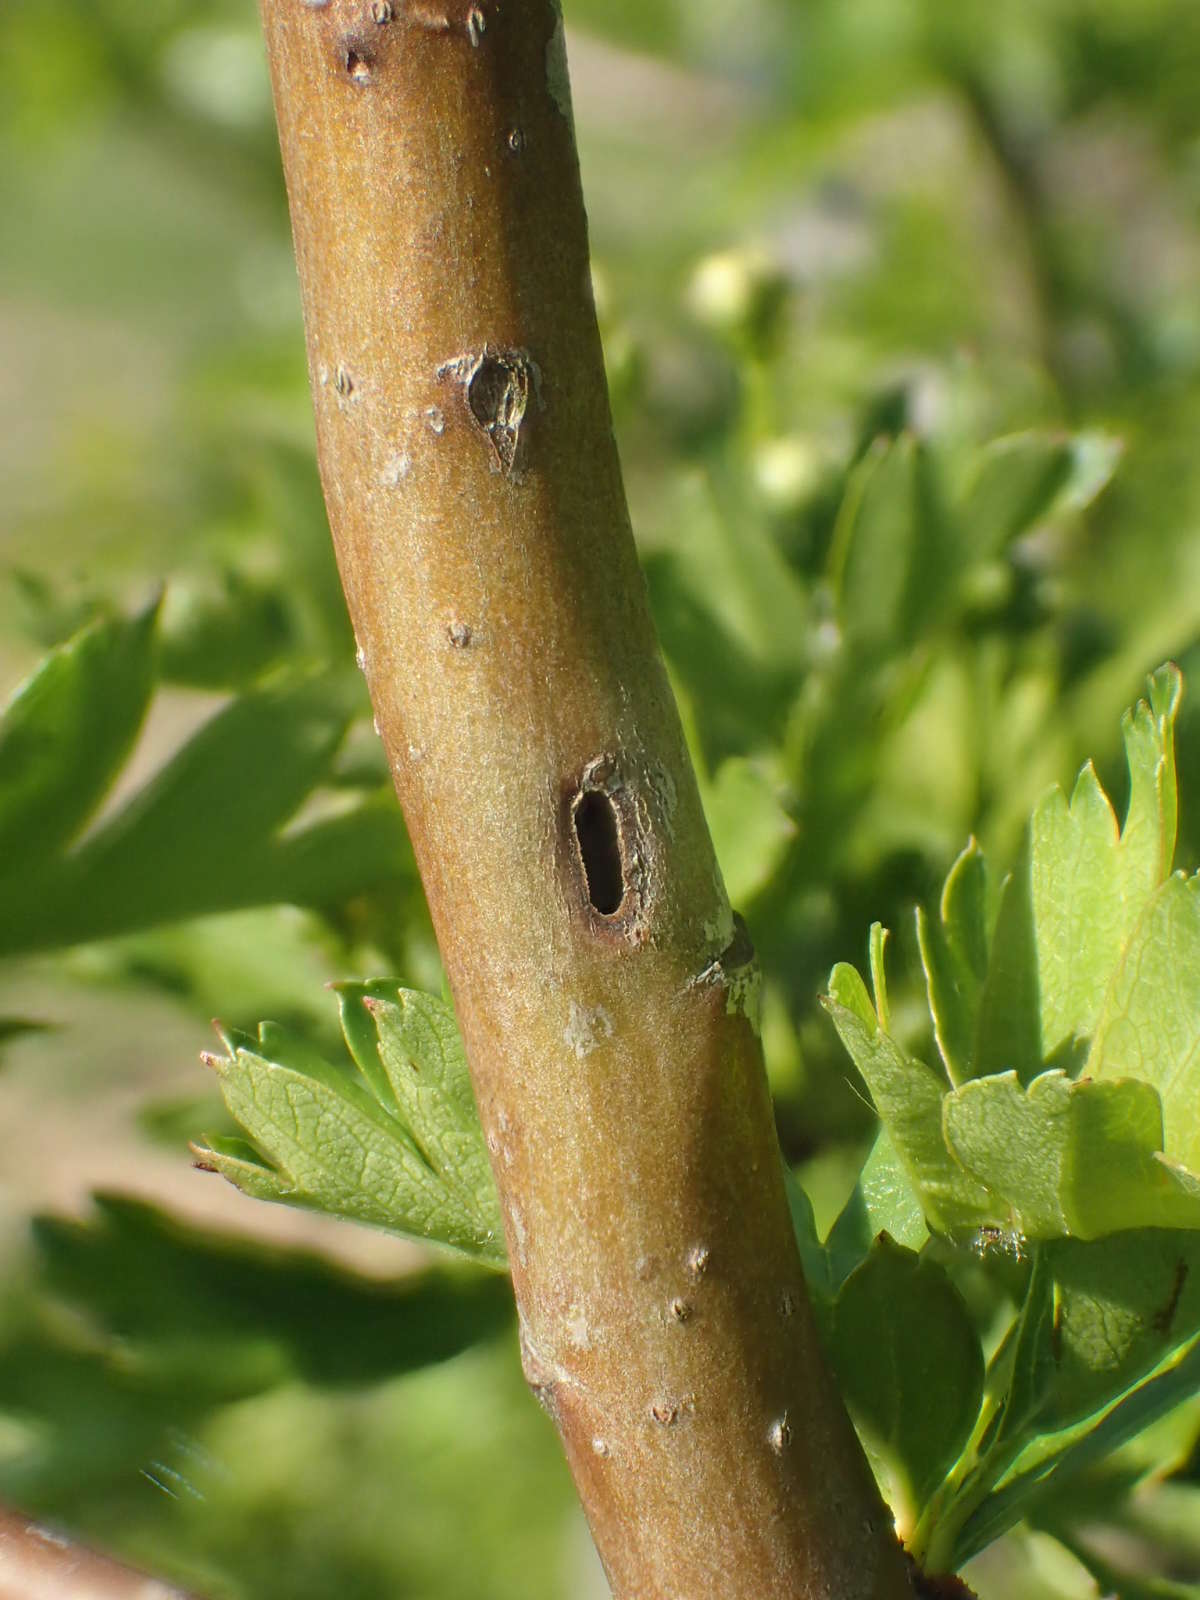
901	309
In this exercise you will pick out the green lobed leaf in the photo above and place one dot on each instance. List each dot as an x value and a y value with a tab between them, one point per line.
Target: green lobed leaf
399	1146
64	734
135	1326
221	1316
1054	1459
1069	1158
908	1097
1098	1352
910	1367
1018	1378
1072	907
877	944
1149	1026
1012	1139
1122	1304
1008	1019
1036	1153
210	830
954	954
1026	1362
225	628
1117	1176
882	1201
417	1044
889	1200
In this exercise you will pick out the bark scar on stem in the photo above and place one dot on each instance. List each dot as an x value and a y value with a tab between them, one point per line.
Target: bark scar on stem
736	969
545	1378
497	387
472	18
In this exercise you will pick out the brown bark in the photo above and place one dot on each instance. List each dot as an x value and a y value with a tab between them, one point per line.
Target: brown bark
604	991
37	1563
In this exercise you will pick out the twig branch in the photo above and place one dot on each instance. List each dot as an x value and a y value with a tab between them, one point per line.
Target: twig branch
606	996
37	1563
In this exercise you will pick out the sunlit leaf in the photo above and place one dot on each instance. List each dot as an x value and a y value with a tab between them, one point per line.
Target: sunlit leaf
1073	904
392	1139
908	1096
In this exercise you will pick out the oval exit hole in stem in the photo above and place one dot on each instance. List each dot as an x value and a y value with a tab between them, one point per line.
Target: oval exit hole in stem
598	836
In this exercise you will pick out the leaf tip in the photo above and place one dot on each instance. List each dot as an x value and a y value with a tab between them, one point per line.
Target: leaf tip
203	1159
878	953
1166	690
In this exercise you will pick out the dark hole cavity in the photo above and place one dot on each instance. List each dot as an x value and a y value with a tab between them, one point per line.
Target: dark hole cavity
600	851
